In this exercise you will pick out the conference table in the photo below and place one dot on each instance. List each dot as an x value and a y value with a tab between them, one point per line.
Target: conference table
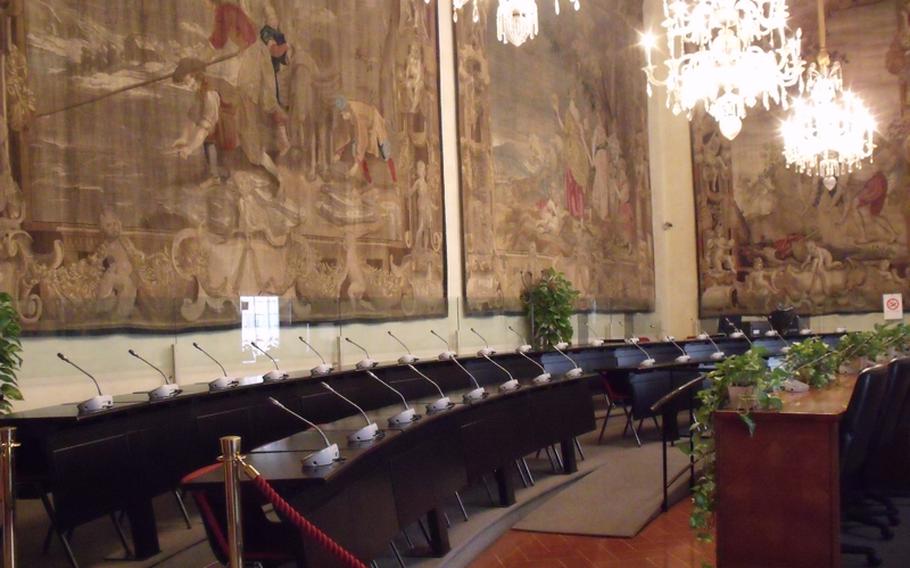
85	466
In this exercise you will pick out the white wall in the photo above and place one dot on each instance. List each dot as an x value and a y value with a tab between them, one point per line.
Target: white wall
45	380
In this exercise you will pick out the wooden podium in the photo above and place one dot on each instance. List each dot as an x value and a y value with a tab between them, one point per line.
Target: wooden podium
778	492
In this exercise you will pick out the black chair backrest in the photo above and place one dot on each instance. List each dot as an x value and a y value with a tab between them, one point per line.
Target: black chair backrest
860	420
896	393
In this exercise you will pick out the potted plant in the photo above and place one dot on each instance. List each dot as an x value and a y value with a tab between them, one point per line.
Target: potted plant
812	362
10	353
549	303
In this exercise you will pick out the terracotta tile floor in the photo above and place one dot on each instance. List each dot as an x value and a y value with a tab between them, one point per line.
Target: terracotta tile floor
667	542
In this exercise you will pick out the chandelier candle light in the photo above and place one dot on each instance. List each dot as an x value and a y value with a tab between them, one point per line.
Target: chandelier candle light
727	54
516	20
829	132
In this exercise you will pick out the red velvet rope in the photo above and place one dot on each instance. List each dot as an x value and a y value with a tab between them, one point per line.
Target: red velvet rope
308	529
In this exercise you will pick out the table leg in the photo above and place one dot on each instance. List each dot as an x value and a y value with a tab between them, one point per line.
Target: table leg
569	461
439	533
505	487
143	528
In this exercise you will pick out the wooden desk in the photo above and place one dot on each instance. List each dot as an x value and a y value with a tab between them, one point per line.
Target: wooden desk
778	492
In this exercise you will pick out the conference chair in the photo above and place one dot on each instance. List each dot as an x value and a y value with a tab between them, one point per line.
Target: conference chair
857	429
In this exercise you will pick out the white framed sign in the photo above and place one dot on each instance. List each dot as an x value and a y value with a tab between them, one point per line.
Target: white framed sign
893	306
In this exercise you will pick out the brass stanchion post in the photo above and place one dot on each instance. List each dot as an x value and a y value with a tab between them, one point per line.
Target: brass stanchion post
230	455
8	495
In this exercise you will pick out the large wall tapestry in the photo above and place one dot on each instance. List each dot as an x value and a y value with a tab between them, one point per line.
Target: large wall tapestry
554	158
768	236
165	158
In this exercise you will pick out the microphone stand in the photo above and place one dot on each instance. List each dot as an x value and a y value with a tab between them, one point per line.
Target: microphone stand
321	369
270	376
683	357
597	341
718	354
404	417
407	358
96	403
543	377
649	361
326	456
478	393
774	333
366	363
486	349
573	373
443	403
162	392
366	434
448	354
509	385
217	384
524	347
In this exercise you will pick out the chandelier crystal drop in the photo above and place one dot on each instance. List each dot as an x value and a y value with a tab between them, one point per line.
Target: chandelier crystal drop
728	55
516	20
829	132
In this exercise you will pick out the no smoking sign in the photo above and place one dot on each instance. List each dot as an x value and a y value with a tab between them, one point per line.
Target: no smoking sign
894	306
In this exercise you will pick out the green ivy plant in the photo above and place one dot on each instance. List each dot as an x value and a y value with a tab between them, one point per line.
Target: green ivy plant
748	369
812	361
549	303
10	353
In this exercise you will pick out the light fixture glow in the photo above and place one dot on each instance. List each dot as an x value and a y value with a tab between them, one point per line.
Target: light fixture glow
728	55
516	20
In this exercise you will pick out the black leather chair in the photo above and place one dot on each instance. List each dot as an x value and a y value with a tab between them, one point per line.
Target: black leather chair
858	427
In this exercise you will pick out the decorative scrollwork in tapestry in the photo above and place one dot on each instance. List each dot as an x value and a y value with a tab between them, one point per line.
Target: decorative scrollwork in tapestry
162	159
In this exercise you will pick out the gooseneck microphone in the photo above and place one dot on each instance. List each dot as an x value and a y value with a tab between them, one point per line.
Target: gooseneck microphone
509	385
408	357
167	390
524	347
486	349
365	363
683	356
543	377
443	403
96	403
404	417
448	354
323	457
275	375
738	333
478	393
321	369
365	434
576	371
222	383
702	336
649	361
595	341
772	332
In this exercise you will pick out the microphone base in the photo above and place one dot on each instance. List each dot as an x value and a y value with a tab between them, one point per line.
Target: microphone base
509	386
805	332
524	349
407	359
96	404
474	395
223	383
364	364
597	343
785	349
574	373
703	337
486	352
647	363
165	392
718	355
683	359
274	376
366	434
771	333
542	379
322	458
737	335
446	356
403	418
440	405
320	370
562	345
251	380
632	341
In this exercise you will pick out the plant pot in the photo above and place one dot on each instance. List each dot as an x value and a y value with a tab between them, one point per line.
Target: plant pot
855	365
741	398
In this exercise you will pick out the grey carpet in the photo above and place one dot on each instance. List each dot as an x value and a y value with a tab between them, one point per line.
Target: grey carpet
617	499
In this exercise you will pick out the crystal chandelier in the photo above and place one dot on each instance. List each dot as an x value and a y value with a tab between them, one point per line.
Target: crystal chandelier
830	132
516	20
727	54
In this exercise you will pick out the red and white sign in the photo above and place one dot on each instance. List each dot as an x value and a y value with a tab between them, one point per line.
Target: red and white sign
893	306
